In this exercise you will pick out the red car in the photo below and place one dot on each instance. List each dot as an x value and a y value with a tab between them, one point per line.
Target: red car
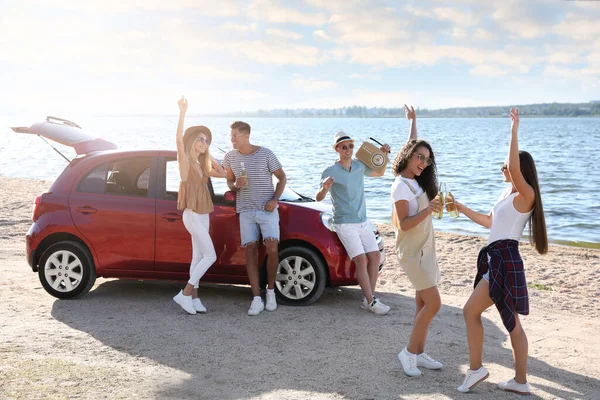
113	214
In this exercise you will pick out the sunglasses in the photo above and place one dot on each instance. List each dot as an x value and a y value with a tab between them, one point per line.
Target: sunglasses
424	159
203	140
347	146
503	168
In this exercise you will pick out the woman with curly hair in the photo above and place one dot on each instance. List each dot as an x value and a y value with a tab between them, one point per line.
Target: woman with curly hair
414	200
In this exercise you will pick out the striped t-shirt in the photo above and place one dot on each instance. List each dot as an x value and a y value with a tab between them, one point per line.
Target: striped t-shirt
260	166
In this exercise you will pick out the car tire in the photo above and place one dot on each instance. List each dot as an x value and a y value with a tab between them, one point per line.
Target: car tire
66	270
301	276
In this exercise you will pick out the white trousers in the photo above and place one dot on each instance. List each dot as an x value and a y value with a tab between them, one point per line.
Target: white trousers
203	251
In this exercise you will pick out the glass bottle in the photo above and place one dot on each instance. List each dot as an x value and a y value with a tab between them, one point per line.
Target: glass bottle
451	205
440	197
244	175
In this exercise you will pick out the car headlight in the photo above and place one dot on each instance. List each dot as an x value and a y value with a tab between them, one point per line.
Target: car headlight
326	219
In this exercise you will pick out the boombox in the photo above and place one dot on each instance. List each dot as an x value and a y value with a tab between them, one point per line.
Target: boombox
372	156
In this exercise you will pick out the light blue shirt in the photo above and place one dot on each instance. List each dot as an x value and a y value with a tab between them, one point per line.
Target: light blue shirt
348	192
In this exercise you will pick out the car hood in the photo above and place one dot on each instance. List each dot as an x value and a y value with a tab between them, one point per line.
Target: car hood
314	205
67	133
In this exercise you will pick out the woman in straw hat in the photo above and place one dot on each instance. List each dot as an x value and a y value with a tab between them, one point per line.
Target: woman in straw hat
195	166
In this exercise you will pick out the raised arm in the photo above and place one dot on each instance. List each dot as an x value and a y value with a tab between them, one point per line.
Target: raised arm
181	156
526	197
411	115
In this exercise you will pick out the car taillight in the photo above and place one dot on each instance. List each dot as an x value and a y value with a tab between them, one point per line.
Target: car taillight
36	206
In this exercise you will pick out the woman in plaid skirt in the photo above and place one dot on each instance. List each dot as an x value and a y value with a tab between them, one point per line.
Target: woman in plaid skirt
500	278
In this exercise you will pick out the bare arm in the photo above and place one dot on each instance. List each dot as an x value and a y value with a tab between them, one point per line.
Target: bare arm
217	170
526	195
281	181
181	157
325	186
406	222
481	219
230	179
411	115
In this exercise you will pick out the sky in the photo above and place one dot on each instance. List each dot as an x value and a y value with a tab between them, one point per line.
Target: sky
60	57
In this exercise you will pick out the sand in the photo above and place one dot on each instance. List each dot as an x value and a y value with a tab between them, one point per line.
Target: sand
128	339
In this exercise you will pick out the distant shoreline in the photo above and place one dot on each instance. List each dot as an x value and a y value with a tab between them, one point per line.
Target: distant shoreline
5	181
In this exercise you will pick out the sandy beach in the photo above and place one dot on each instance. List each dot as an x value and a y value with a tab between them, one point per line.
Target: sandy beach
128	339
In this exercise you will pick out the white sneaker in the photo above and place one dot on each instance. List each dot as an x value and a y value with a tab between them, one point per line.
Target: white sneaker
271	301
364	304
256	307
378	307
423	360
472	379
515	387
198	306
409	363
185	302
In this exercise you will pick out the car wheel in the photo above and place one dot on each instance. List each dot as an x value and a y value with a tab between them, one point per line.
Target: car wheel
301	276
66	270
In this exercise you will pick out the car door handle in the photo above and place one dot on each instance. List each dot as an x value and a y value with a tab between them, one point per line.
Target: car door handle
171	216
86	210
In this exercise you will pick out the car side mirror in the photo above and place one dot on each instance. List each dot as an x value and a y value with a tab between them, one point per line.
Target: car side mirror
229	196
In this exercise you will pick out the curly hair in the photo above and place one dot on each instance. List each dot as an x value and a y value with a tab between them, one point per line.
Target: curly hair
428	178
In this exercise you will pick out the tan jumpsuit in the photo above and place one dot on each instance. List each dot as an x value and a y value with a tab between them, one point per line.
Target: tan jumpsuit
416	248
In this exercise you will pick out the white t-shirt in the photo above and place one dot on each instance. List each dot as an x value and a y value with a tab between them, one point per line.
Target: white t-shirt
401	192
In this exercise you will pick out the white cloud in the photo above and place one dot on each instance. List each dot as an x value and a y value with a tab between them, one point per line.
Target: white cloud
364	76
210	73
222	8
283	34
488	70
321	35
482	34
272	11
238	28
311	84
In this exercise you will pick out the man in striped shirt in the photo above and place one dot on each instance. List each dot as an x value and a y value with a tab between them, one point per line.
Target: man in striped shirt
249	172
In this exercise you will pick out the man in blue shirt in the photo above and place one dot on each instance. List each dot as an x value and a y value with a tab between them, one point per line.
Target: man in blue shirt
344	180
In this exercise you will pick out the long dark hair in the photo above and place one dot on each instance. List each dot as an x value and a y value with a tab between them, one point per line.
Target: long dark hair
428	178
537	222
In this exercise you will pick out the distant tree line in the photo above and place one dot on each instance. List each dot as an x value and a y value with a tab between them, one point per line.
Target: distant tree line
590	109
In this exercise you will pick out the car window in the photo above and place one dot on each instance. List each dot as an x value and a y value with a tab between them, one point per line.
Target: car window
129	177
172	180
95	181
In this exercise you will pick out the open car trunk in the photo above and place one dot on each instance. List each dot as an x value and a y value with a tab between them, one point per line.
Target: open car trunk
67	133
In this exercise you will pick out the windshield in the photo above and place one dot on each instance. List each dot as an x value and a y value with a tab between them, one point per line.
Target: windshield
220	187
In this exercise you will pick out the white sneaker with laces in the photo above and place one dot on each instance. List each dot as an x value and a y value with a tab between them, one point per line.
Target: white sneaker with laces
515	387
185	302
271	301
256	306
378	307
472	379
199	306
409	363
423	360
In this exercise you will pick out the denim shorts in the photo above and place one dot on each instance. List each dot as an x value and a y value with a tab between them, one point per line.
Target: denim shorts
255	223
486	276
